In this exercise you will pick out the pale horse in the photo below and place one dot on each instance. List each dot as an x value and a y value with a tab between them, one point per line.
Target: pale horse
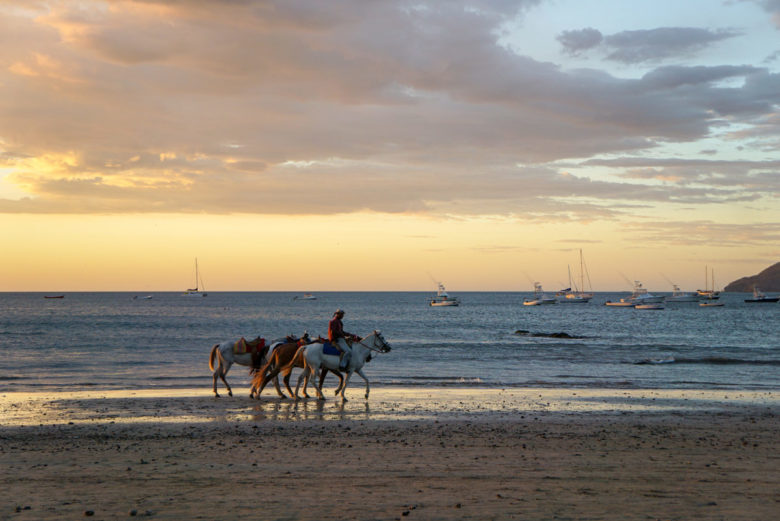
314	359
225	357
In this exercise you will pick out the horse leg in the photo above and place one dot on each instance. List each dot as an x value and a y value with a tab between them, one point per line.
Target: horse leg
224	367
360	372
300	378
266	379
341	380
287	383
278	389
216	394
344	387
323	372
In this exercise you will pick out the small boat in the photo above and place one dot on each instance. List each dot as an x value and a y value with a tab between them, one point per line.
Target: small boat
147	297
195	292
681	296
760	297
649	306
54	296
306	296
622	303
443	298
711	303
641	296
539	297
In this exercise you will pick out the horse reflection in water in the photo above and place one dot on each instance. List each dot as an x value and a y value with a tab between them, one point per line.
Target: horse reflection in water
301	410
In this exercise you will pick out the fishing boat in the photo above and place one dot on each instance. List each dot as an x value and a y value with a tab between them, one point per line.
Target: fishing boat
681	296
641	296
443	298
539	297
195	292
760	297
578	295
306	296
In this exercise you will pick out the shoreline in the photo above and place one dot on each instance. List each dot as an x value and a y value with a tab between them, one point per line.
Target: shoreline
403	454
389	404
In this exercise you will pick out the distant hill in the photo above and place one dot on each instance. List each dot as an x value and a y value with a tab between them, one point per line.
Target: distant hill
767	280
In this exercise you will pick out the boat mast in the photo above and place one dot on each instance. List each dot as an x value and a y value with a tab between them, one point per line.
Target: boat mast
196	274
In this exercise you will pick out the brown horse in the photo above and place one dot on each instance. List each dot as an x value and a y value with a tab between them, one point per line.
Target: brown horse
284	358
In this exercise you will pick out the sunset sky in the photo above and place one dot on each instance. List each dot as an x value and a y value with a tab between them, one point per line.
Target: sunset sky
382	145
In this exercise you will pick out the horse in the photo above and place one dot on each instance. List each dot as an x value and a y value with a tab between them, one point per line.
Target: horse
314	358
283	357
223	353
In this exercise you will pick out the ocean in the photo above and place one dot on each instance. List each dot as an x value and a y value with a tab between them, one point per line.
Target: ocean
115	341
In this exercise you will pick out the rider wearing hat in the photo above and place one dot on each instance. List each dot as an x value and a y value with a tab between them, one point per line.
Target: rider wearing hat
339	338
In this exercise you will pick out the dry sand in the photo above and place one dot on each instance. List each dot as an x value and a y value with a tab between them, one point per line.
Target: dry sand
405	454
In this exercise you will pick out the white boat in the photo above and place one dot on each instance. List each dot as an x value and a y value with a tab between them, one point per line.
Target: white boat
649	306
641	296
195	292
306	296
681	296
760	297
443	298
578	295
711	303
539	297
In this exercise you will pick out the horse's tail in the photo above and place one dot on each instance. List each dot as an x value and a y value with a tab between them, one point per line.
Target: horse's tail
212	355
258	373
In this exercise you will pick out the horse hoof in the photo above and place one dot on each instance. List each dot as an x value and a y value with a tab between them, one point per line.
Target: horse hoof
230	393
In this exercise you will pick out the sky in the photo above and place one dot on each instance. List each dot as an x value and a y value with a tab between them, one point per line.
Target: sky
372	145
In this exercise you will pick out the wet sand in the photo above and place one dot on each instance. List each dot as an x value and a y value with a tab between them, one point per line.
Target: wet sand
404	454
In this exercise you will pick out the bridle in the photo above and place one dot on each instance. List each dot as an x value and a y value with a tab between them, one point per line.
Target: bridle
372	348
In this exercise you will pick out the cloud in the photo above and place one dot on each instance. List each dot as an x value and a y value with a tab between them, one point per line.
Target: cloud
305	108
649	45
574	42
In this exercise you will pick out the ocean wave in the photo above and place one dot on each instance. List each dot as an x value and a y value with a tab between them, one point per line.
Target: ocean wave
709	360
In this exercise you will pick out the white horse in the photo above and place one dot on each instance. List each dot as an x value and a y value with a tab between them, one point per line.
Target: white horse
225	357
314	359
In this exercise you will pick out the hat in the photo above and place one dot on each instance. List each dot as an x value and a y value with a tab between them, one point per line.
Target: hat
338	311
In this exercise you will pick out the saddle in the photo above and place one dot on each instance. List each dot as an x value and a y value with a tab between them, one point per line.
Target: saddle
242	347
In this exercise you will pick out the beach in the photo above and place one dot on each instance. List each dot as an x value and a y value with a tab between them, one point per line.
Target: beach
405	453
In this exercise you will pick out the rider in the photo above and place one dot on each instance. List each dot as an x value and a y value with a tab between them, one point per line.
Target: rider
338	337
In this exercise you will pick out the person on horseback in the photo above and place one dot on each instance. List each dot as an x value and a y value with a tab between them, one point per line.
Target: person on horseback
339	338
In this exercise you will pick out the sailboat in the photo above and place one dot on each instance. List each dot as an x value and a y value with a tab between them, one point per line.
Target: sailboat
706	292
195	292
578	296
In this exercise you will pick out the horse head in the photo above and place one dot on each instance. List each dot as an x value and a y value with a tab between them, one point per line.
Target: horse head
379	342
